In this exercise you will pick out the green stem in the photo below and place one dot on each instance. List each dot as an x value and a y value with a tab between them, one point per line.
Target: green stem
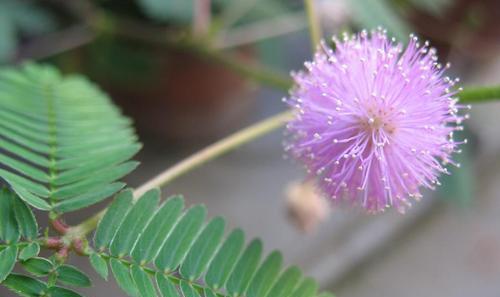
314	23
479	94
209	153
125	28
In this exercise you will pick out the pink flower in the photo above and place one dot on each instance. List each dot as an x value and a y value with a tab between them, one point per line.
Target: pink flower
374	123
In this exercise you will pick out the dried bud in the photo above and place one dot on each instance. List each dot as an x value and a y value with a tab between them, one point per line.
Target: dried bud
306	207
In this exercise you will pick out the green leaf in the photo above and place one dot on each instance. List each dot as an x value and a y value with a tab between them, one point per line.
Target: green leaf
187	290
142	282
62	292
122	277
287	282
183	250
25	219
266	275
209	293
29	251
9	231
371	14
7	36
179	242
38	266
326	294
203	250
100	265
112	220
152	239
25	285
72	276
8	256
224	261
244	270
88	199
30	18
179	11
167	288
134	224
307	288
458	186
29	198
58	133
435	7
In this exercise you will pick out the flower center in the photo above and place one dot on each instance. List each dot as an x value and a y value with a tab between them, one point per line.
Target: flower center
377	120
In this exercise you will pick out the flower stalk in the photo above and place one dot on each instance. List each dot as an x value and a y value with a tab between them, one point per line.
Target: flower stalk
314	23
185	166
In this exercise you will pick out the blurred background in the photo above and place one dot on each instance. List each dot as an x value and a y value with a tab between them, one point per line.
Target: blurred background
192	71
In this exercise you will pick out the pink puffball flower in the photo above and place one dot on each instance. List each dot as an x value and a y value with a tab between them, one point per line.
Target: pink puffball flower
374	122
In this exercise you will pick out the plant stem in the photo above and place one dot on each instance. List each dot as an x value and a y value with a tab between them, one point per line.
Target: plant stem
213	151
479	94
209	153
314	23
136	31
261	30
202	17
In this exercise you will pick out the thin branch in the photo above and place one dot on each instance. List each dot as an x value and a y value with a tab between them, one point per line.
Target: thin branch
187	165
215	150
261	30
237	10
55	43
136	31
314	23
202	17
479	94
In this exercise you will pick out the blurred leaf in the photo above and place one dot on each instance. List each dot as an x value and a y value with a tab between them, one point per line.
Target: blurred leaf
435	7
7	35
38	105
178	11
370	14
21	17
458	187
31	19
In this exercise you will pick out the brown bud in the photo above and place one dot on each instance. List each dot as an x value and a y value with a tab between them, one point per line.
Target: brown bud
306	206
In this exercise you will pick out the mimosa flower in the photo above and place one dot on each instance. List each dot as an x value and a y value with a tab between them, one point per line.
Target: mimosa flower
374	122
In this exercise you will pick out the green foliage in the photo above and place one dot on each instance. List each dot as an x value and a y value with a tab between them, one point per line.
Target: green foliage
370	14
65	144
13	238
178	11
150	247
435	7
19	242
20	17
458	186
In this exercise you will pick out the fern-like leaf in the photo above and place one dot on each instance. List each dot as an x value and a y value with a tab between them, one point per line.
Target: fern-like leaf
64	144
163	251
18	232
19	243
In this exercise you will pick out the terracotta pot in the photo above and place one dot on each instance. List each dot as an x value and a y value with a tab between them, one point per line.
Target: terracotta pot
172	95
